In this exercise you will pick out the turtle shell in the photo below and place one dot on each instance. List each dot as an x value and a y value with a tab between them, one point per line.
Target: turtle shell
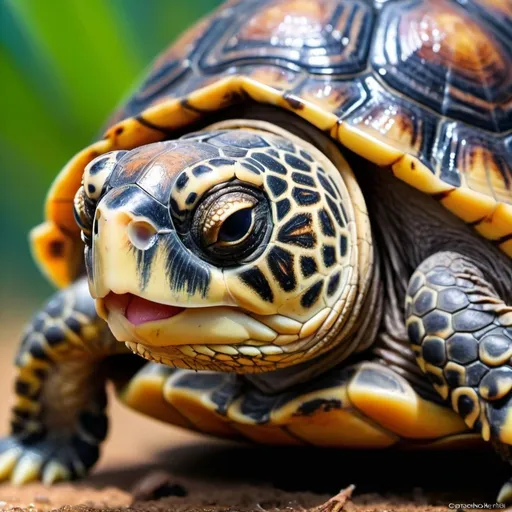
420	88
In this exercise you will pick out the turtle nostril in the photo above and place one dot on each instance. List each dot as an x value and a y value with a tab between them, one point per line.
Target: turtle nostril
141	234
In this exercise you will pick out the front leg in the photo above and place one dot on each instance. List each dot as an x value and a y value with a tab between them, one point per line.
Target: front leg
461	332
58	419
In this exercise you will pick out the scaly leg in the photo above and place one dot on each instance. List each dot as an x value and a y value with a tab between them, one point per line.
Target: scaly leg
461	332
58	419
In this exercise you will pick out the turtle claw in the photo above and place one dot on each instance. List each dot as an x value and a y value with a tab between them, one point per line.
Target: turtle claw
55	472
8	461
27	469
46	460
505	494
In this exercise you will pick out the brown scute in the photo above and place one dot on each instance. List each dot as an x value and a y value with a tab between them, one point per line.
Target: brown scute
282	20
465	47
274	76
438	36
178	158
134	165
393	124
336	95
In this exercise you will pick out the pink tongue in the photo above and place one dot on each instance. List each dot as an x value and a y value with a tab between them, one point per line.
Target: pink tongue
140	311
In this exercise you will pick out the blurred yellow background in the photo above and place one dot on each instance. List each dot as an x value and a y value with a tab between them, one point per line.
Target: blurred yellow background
64	66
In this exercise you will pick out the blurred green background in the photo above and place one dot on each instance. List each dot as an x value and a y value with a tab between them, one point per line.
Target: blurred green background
65	65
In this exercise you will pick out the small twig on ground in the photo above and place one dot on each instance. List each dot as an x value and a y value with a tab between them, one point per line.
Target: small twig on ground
336	503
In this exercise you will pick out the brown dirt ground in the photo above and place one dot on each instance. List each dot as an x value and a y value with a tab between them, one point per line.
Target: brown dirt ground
217	475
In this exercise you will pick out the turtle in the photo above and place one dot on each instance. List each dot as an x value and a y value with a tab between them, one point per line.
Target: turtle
296	231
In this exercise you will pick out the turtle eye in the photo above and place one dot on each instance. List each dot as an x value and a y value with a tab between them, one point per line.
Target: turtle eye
228	220
236	227
231	224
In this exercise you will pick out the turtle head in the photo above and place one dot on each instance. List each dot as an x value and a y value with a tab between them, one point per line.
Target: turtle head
232	250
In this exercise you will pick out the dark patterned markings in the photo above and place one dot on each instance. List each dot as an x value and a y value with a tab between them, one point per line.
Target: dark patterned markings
334	282
290	188
311	296
298	231
219	162
35	358
326	223
280	262
255	163
251	168
270	163
200	381
306	155
343	245
185	271
335	211
308	266
256	280
191	198
326	185
201	169
297	163
305	197
283	207
303	179
182	181
329	255
276	185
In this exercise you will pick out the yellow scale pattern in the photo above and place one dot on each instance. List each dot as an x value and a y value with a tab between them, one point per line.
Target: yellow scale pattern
374	408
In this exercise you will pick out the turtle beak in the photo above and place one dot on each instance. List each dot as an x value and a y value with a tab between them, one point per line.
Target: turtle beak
138	310
135	319
135	250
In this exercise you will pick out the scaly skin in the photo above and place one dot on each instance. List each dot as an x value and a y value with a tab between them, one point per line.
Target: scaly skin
461	331
59	417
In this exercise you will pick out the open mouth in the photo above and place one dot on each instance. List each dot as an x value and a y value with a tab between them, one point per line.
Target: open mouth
222	337
138	310
132	318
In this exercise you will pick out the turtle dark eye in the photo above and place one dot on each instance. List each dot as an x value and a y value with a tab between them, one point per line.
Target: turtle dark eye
236	226
229	225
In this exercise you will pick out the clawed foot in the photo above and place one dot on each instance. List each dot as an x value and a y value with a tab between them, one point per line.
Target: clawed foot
48	460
